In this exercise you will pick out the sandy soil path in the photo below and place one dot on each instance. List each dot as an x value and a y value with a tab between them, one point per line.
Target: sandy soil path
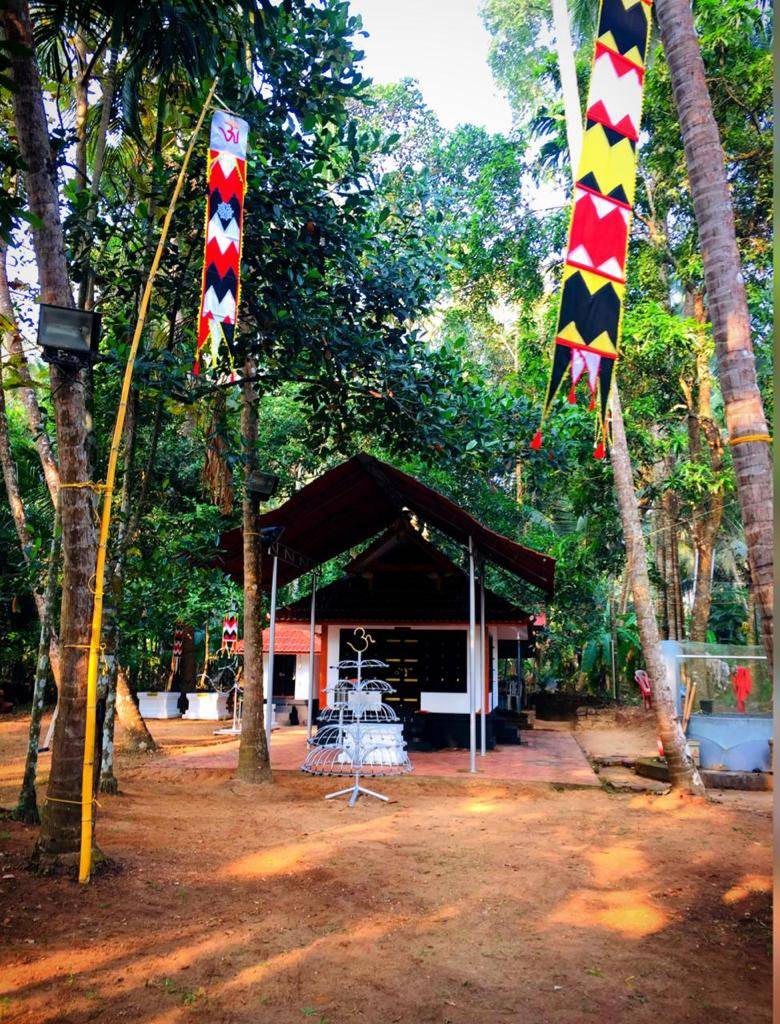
461	902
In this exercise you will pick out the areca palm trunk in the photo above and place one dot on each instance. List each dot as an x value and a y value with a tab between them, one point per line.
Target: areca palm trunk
27	805
726	296
58	842
254	763
114	596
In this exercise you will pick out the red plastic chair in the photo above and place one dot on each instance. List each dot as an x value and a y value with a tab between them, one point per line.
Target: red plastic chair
642	681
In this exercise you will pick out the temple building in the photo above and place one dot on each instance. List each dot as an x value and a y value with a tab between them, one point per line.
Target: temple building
440	629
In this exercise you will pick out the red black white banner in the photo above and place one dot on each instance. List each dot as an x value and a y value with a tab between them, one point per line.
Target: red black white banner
221	279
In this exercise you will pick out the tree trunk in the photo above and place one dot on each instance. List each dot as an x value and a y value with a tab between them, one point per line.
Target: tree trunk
702	595
108	87
108	782
137	735
751	633
661	565
11	481
27	805
217	474
114	594
59	840
703	440
25	541
674	605
668	604
18	361
254	764
682	771
569	88
726	297
81	104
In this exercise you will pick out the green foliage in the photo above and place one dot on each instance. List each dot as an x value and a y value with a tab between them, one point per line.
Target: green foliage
398	295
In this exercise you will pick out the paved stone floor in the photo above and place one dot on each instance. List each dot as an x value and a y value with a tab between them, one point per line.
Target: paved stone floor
544	756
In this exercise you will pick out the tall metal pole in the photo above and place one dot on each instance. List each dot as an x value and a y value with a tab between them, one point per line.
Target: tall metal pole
310	704
472	684
520	694
482	662
269	707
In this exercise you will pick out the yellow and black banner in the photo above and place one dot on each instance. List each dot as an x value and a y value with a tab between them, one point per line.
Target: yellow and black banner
587	336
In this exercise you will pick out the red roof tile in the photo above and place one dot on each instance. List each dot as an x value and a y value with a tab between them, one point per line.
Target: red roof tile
290	639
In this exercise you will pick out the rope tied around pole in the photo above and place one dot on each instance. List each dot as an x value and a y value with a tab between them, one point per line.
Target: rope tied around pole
87	647
749	437
78	803
86	483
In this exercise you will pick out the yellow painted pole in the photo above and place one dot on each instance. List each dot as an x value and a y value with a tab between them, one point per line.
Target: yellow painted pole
88	772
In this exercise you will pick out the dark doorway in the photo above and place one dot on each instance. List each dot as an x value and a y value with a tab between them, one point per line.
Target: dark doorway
417	659
284	675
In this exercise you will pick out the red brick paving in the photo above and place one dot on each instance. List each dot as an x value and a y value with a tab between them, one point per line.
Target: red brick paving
544	756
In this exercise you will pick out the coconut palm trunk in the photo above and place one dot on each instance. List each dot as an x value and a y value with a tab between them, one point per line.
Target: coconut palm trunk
58	842
254	764
682	771
726	297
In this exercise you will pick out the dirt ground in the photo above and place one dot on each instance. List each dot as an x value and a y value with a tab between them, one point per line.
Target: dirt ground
632	735
462	901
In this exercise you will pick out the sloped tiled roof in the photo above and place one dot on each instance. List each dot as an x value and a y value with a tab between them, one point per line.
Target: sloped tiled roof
355	501
402	578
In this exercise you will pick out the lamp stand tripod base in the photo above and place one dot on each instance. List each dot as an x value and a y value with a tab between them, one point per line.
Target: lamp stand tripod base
356	790
235	728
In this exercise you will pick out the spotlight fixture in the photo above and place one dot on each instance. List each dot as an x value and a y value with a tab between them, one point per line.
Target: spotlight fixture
68	337
262	485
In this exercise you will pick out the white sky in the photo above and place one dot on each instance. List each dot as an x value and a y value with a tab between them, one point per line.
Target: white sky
444	45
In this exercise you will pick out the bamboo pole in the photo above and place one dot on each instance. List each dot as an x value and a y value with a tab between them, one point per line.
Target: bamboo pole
88	771
689	698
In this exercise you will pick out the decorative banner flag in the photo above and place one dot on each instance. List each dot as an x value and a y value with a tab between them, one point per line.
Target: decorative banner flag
229	632
591	309
220	284
178	638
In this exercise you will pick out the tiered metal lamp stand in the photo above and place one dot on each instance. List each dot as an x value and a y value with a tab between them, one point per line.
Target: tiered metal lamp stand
358	734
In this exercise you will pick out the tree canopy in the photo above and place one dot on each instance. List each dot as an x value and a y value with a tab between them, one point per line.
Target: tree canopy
399	294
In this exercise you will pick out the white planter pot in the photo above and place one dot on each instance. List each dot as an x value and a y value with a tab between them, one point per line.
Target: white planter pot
381	743
158	705
205	706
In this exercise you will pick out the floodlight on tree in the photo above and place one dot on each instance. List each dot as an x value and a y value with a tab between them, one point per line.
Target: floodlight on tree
68	337
262	485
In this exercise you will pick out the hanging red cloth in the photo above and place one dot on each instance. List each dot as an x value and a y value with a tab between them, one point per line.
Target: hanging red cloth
742	684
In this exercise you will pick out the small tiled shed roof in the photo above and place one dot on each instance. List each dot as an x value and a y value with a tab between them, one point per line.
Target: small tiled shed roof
290	639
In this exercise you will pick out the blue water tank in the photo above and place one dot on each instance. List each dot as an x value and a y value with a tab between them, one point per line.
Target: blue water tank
739	743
